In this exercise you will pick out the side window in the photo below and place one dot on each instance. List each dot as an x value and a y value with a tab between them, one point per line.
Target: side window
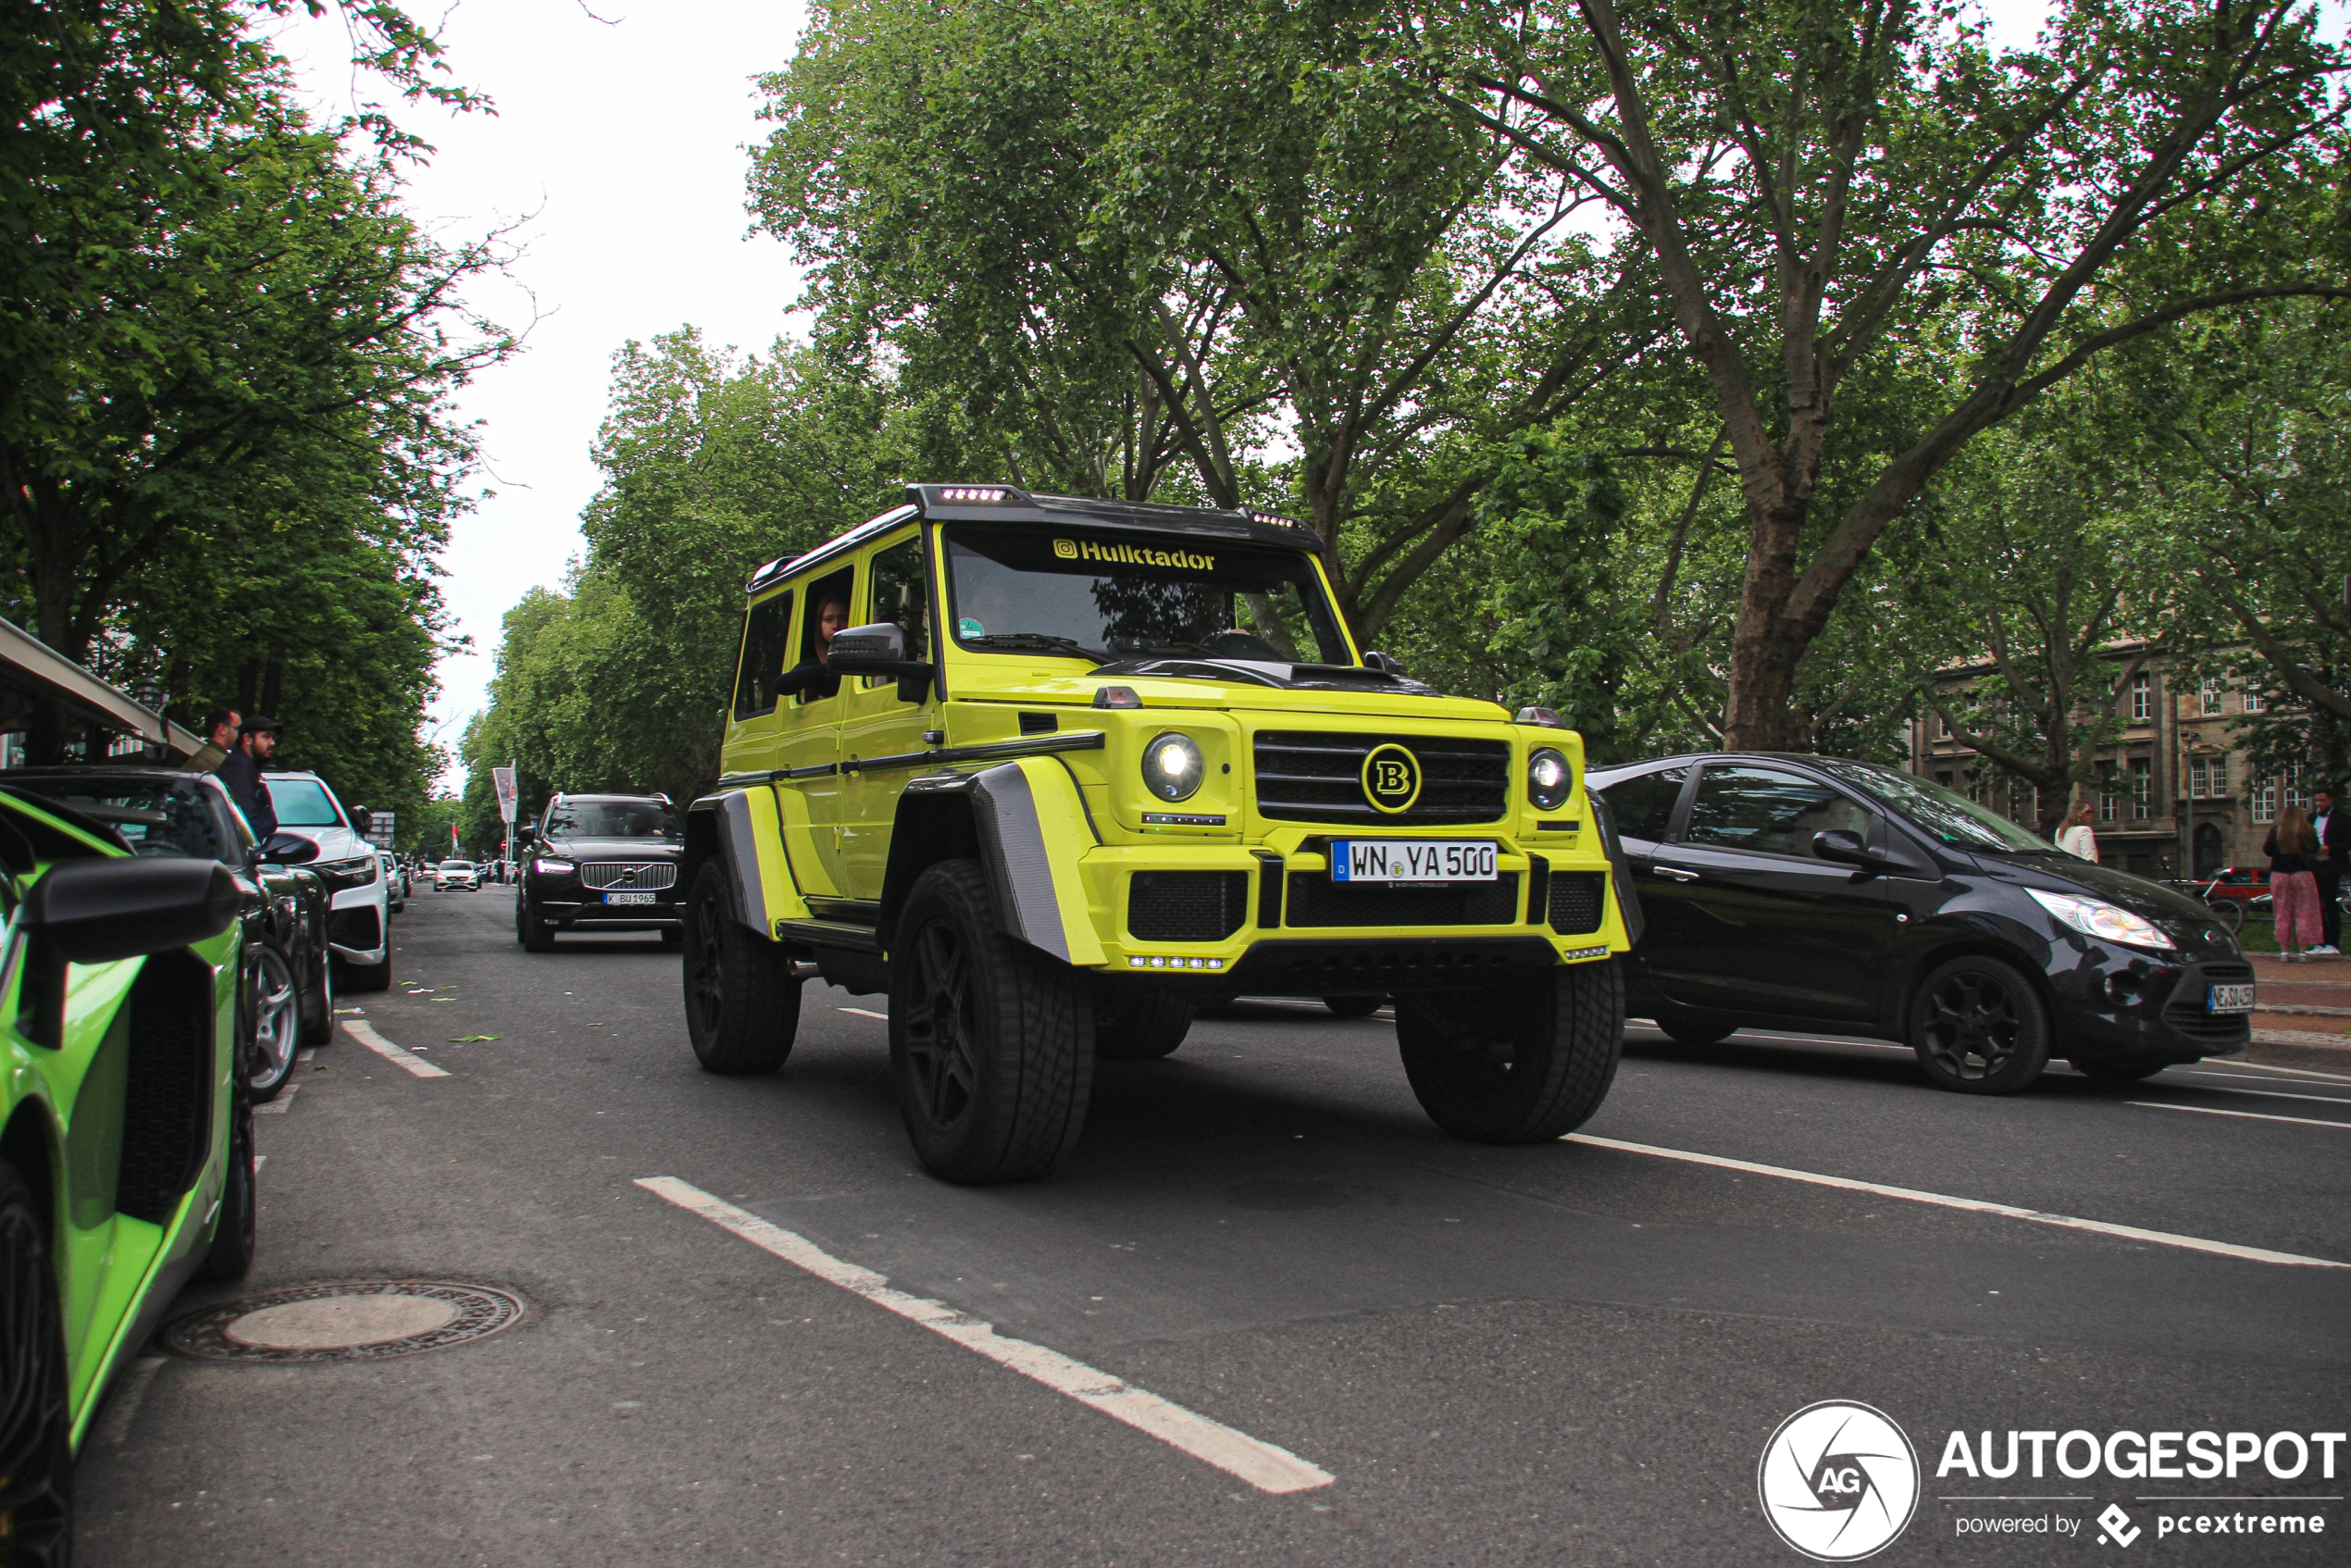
902	596
766	633
1643	804
828	600
1767	812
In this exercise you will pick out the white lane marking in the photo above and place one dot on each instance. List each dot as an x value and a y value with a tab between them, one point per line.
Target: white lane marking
1972	1205
2342	1099
2258	1069
279	1106
1262	1465
366	1035
113	1427
863	1013
259	1161
2248	1116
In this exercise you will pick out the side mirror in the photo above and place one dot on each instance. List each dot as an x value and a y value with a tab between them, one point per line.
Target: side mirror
97	911
289	849
363	820
1387	663
1846	848
881	649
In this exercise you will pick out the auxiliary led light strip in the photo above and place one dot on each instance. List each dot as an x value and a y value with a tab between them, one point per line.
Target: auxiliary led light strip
1159	962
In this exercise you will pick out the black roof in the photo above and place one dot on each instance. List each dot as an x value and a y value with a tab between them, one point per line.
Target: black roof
970	502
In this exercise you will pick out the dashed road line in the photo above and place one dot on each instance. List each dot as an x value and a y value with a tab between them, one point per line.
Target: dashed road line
2248	1115
366	1035
1973	1206
863	1013
2259	1069
2342	1099
1262	1465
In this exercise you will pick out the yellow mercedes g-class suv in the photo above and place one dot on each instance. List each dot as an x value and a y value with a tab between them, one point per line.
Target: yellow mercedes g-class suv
1051	774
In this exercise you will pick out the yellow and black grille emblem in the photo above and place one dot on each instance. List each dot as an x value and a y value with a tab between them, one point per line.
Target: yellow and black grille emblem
1391	778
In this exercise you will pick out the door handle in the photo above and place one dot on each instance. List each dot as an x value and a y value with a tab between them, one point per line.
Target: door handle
1674	874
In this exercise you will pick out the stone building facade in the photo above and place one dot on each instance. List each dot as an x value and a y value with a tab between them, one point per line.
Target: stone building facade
2178	793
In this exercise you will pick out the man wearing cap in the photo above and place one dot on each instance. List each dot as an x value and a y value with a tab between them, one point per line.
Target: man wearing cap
219	740
256	747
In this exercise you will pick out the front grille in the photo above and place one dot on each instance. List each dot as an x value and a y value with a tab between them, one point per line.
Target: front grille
1577	899
1187	906
2186	1011
630	874
1313	776
1315	899
167	1110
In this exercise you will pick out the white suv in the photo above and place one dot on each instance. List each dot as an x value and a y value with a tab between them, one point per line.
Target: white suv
359	918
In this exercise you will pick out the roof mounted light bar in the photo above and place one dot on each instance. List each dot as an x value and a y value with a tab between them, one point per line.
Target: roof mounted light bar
973	492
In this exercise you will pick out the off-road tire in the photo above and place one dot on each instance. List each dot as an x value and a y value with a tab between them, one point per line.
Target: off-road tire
36	1439
990	1041
235	1237
1979	1026
1519	1062
742	1005
1354	1006
1137	1021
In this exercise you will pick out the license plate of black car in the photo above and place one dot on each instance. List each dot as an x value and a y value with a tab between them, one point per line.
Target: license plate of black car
628	897
2230	999
1412	860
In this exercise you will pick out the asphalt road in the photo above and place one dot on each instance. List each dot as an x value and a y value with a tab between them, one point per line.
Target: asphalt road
1562	1354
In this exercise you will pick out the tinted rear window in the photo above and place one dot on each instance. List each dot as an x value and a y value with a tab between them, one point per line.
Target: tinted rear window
1643	804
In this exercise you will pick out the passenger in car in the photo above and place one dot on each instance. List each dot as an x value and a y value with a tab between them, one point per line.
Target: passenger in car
810	675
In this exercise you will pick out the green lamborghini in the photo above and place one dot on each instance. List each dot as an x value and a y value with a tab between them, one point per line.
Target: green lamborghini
126	1166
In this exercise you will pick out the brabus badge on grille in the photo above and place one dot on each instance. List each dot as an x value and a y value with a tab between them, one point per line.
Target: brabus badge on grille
1391	778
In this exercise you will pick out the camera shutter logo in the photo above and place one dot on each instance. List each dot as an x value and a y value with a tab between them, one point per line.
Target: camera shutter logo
1391	778
1838	1481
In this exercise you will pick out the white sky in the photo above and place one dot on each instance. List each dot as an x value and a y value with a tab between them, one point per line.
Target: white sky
623	145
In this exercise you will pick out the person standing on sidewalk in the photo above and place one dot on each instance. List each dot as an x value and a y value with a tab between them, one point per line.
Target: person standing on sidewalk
2333	831
2292	850
219	740
256	749
2077	838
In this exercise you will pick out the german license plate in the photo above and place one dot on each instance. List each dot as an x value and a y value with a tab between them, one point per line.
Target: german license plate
2230	999
628	897
1411	859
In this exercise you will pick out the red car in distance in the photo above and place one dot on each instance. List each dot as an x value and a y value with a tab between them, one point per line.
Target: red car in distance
2236	884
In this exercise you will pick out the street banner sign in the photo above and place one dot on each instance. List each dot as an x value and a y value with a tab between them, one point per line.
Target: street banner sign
380	828
504	779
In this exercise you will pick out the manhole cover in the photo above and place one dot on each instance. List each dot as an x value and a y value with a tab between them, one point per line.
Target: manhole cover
371	1320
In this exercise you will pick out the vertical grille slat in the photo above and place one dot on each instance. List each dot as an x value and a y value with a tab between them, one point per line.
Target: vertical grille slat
649	876
1314	776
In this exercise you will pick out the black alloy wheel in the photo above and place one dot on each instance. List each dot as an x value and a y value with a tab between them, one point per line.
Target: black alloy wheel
36	1439
277	1024
537	935
235	1240
318	1018
1979	1027
742	1005
1522	1062
1137	1021
991	1041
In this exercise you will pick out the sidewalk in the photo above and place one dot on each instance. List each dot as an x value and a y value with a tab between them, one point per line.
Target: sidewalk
2302	1018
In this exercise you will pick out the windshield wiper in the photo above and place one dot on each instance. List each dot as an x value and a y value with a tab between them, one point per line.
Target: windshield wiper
1038	639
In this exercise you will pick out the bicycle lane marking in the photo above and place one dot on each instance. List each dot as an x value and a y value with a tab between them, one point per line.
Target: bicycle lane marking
1261	1464
1971	1205
366	1035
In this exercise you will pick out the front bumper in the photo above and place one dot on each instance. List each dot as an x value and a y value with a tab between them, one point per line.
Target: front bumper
2127	1006
582	912
358	924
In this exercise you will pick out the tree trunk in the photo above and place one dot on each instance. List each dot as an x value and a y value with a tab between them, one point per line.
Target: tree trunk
1768	645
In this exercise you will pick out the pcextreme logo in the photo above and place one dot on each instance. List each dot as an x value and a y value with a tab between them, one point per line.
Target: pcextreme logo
1838	1481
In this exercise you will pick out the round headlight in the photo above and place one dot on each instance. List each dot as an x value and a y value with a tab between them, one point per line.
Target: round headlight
1549	779
1172	767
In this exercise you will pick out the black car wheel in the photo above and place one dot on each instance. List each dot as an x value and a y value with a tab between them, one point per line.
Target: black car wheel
1979	1027
1354	1006
37	1442
673	938
234	1242
318	1019
990	1041
1137	1021
370	976
277	1024
742	1005
1520	1062
1684	1029
537	935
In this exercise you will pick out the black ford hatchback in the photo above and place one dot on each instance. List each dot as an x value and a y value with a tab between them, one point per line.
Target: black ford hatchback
602	862
1815	893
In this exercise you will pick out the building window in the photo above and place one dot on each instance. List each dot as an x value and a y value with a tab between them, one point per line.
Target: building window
2142	783
2109	802
2295	793
2142	697
2287	789
2254	701
2209	699
2209	779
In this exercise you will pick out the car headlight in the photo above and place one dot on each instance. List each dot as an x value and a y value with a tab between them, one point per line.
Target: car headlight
1172	767
2096	917
553	867
1551	778
357	872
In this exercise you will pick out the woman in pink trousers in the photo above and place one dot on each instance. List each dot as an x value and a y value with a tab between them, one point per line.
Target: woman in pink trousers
2293	848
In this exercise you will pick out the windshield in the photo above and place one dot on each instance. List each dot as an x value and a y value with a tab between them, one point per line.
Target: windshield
1950	816
611	819
148	814
1021	589
456	865
303	802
